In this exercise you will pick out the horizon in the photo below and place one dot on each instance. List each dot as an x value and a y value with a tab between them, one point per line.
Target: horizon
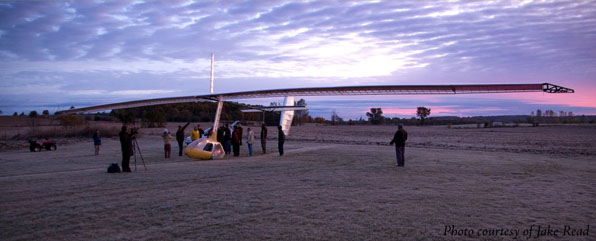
356	117
57	54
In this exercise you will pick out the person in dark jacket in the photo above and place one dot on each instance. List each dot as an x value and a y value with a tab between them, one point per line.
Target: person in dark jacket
97	141
227	136
220	135
236	137
281	138
126	145
201	131
240	132
264	138
180	137
399	139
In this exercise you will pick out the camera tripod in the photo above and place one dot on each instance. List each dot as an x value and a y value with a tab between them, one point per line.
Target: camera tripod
135	149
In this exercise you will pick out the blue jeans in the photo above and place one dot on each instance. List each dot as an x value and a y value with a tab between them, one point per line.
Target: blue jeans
399	153
227	147
249	149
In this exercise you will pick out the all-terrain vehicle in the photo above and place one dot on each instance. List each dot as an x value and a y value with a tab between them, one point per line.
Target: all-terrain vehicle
49	145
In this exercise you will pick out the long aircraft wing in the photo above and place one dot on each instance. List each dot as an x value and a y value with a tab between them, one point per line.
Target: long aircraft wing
334	91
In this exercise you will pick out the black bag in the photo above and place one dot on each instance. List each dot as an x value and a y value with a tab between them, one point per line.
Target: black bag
114	168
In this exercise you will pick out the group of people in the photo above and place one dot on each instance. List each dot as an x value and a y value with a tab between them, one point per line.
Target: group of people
230	138
195	134
126	144
227	137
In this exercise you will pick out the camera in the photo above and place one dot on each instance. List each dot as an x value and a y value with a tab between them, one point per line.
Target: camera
133	132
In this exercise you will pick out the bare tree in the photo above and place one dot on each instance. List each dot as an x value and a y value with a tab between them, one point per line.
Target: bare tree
422	112
375	116
335	119
300	116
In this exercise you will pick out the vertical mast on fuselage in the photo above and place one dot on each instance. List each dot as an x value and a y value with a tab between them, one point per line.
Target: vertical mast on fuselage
212	58
219	106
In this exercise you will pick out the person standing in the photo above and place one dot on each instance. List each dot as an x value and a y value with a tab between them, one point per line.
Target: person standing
236	138
399	139
194	134
126	146
180	137
227	137
201	131
96	141
250	138
240	132
220	135
167	147
264	138
281	138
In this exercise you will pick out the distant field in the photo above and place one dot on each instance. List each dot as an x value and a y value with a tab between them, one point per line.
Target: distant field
335	182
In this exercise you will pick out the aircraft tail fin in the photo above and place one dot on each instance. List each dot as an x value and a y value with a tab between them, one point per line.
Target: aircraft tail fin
285	120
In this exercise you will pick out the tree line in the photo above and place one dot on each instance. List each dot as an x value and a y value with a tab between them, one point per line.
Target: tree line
157	116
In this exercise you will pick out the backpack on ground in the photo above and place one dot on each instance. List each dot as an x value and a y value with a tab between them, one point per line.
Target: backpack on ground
114	168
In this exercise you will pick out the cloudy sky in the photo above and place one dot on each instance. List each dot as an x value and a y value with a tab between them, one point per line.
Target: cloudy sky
54	54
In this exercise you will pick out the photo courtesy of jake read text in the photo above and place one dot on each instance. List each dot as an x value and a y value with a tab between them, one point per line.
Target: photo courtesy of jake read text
547	232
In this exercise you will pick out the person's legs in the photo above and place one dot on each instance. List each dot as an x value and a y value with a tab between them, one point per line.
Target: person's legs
399	155
227	147
124	154
168	150
403	155
264	146
249	149
96	150
179	148
236	149
280	147
125	161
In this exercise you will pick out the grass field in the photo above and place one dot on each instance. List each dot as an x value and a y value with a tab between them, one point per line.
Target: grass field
335	182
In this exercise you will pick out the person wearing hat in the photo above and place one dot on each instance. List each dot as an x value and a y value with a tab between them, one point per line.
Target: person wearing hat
399	139
167	147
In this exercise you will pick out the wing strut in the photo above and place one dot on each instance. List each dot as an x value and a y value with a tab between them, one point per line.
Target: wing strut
216	121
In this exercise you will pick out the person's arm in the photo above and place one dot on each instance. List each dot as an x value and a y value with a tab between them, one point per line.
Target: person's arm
394	139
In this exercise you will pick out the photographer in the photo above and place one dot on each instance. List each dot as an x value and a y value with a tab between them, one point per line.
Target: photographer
126	145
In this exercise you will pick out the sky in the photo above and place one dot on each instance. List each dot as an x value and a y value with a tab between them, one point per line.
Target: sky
57	54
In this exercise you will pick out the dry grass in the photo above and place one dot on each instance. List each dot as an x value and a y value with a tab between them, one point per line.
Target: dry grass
325	189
